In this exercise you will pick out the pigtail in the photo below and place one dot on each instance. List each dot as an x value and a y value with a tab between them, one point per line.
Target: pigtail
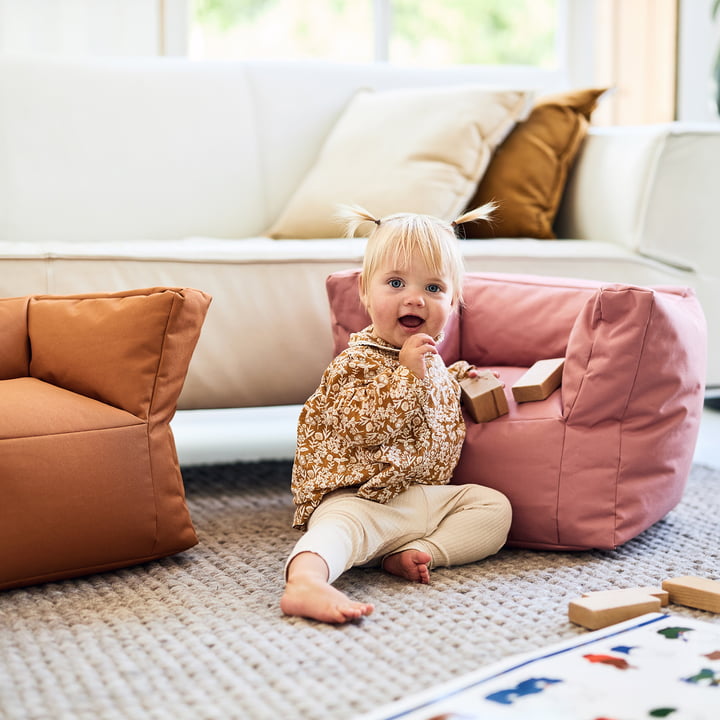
352	216
484	212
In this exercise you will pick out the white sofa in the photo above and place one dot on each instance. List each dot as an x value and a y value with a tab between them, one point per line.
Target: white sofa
119	174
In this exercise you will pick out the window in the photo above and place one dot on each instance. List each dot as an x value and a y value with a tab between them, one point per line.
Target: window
404	32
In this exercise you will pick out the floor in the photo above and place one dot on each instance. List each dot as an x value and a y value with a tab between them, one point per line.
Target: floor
216	436
707	450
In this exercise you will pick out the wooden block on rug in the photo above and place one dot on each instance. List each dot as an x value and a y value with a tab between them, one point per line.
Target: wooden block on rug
483	397
599	610
543	378
694	592
662	595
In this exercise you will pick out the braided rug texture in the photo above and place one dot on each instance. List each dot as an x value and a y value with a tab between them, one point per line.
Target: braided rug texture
200	635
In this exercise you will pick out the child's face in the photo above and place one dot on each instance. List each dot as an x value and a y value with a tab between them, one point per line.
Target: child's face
404	301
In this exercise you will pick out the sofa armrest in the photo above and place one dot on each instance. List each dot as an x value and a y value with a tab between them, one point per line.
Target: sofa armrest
130	350
649	188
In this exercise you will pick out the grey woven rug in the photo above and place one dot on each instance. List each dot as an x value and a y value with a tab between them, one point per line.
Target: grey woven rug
200	635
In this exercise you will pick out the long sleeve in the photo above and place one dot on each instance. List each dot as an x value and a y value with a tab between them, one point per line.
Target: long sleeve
368	405
459	370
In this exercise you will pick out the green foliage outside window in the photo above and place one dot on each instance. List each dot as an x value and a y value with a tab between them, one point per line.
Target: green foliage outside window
485	32
224	14
428	32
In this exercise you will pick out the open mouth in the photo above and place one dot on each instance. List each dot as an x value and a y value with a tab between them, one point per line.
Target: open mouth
411	321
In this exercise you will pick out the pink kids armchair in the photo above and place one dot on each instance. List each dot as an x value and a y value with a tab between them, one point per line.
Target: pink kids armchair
607	454
89	475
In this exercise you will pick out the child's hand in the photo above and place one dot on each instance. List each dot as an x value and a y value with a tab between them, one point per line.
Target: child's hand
412	353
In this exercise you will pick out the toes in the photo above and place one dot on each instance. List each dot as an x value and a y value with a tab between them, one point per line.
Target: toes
353	612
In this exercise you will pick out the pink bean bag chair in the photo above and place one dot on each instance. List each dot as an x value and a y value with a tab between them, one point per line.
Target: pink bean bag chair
607	454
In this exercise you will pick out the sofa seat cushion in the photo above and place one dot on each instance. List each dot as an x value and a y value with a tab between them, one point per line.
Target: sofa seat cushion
233	271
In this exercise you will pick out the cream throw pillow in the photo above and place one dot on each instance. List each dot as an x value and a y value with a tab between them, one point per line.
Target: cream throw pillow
410	150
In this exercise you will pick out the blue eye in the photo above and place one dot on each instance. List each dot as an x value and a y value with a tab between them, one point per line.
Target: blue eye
432	288
395	283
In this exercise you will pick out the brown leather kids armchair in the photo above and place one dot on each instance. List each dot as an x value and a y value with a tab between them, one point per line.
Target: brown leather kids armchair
89	476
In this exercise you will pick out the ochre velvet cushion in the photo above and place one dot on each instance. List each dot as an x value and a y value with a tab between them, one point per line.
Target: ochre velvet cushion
609	452
528	172
410	150
89	473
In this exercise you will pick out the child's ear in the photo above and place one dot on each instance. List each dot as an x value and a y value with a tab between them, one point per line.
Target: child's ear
361	290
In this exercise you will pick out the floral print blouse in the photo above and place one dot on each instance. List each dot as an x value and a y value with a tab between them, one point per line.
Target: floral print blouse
373	424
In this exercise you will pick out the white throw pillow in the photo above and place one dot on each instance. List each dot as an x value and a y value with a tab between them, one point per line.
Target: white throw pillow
410	150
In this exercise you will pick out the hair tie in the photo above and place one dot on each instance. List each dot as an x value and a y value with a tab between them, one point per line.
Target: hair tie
454	223
377	222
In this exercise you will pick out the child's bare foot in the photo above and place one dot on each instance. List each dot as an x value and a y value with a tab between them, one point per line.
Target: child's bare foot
308	593
321	601
409	564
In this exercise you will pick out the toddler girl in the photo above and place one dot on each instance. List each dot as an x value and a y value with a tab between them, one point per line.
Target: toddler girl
379	439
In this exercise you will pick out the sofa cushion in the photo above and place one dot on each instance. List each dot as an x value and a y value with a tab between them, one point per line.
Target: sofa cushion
409	150
528	172
128	149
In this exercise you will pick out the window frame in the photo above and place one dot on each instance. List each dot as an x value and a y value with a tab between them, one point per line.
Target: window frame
574	37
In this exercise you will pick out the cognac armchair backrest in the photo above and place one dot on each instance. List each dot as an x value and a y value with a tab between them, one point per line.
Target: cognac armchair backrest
129	350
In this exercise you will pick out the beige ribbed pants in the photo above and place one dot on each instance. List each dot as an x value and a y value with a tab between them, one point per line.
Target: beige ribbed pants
454	524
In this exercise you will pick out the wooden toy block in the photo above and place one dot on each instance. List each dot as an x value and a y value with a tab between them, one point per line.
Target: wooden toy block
483	397
539	381
694	592
599	610
662	595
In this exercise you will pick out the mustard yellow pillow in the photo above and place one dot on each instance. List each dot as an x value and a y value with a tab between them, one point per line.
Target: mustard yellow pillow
527	174
410	150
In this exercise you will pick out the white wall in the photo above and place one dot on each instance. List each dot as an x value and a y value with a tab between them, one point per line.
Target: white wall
93	27
698	45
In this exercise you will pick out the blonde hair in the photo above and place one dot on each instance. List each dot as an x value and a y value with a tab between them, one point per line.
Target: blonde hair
396	239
